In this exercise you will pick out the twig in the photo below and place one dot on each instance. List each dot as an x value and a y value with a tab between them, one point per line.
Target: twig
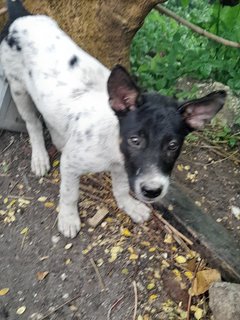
195	28
112	307
135	300
221	160
102	285
190	295
13	186
3	10
174	230
59	307
8	146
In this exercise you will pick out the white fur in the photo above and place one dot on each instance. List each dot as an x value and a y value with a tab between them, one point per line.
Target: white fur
74	104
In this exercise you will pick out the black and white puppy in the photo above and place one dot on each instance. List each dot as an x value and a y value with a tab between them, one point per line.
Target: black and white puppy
98	119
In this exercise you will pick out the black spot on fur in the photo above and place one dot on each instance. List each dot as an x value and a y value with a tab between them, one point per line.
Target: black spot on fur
88	133
13	42
30	73
78	116
73	61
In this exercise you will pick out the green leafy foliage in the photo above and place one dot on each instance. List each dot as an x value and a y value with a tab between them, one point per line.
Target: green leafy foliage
163	50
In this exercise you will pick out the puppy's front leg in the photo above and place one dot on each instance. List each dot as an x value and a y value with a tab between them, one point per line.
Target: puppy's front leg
138	211
69	222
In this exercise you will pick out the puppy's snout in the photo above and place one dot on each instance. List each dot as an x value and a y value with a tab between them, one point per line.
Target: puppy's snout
150	192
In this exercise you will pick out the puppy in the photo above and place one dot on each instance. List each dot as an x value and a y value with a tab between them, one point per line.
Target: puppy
98	119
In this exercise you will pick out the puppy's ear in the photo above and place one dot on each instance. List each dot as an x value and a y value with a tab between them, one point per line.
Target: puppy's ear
197	113
123	92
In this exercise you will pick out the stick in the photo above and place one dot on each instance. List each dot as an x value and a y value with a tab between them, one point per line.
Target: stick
174	230
59	307
190	296
8	146
113	306
102	285
195	28
135	300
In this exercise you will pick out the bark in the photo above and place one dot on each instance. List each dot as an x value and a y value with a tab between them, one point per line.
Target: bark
105	29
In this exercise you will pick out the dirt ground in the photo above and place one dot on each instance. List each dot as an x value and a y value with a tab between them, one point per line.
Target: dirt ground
115	271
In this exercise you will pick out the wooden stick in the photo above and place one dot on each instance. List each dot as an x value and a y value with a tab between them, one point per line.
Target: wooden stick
135	300
102	285
113	306
195	28
174	230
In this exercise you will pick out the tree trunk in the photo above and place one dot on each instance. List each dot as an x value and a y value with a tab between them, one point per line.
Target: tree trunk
105	29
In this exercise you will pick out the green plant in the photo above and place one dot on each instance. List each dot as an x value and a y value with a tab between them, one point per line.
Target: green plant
163	50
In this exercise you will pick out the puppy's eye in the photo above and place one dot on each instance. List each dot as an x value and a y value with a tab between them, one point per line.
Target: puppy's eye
173	145
135	141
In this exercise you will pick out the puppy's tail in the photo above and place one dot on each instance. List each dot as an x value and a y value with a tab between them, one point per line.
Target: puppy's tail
15	10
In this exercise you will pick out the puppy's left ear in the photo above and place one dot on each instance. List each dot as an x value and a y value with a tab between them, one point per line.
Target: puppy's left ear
197	113
123	92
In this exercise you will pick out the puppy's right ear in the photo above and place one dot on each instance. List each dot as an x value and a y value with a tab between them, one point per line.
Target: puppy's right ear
123	92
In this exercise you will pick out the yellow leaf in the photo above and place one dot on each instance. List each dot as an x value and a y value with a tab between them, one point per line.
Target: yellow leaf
150	286
49	204
152	249
68	261
42	275
198	314
24	231
21	310
168	238
187	168
5	200
133	256
125	271
180	167
180	259
100	262
4	291
42	199
203	281
55	163
153	297
126	233
139	317
189	275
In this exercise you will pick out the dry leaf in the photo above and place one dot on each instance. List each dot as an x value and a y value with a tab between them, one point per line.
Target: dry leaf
24	231
153	297
42	275
49	204
4	291
21	310
180	259
151	285
68	246
42	199
55	163
203	281
168	238
126	233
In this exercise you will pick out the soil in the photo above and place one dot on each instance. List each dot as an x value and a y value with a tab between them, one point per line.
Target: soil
106	272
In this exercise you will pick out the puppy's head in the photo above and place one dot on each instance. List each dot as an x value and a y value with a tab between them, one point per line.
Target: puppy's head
152	131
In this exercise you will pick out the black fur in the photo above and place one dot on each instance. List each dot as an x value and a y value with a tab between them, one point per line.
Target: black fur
15	11
73	61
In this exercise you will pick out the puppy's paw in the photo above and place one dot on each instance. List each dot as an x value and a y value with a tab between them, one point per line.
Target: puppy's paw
138	211
40	163
69	224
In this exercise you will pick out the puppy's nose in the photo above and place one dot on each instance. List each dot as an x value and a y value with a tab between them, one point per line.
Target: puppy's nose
151	193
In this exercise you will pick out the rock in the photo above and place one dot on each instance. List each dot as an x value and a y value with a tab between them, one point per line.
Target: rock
224	300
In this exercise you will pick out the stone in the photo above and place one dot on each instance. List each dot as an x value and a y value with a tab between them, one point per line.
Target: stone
224	300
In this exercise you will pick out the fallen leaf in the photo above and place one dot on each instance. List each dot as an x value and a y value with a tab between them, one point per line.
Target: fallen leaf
4	291
24	231
126	233
42	199
180	167
198	314
21	310
49	204
203	281
151	285
42	275
153	297
152	249
168	238
180	259
55	163
68	246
